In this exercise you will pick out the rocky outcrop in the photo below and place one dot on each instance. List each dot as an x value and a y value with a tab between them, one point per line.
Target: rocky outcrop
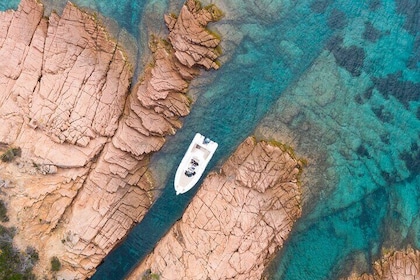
199	49
64	75
237	221
81	181
398	265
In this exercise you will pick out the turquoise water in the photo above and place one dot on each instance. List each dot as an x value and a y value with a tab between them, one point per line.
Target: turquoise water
126	13
338	80
5	5
227	111
356	114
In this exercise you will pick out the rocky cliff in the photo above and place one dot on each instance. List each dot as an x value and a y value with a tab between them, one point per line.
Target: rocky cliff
396	265
84	132
236	222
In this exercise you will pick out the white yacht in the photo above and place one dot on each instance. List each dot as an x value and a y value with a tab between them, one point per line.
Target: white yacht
193	163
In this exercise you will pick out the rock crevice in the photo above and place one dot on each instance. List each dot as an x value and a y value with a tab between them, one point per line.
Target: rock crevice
81	182
395	265
236	222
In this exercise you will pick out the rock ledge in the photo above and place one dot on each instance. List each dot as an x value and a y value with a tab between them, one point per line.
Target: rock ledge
236	222
82	182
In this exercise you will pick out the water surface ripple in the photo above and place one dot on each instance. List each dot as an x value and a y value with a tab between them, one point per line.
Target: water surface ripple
338	80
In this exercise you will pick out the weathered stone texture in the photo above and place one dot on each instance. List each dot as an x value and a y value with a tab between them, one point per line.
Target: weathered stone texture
237	220
396	265
80	183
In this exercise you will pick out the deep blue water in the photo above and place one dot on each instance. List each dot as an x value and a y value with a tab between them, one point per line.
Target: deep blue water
338	80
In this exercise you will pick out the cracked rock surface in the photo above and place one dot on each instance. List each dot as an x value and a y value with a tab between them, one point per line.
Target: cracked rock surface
81	180
397	265
237	221
199	49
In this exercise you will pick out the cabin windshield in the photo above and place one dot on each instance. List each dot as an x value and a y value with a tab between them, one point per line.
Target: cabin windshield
191	169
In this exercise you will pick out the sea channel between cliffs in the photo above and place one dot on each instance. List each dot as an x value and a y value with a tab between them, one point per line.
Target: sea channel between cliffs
355	116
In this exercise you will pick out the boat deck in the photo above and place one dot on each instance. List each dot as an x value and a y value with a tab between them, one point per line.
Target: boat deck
194	162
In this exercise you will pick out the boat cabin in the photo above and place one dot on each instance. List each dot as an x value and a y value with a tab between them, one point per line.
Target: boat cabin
191	168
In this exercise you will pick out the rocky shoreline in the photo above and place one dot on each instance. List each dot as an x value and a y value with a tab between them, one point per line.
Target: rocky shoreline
85	136
77	135
237	221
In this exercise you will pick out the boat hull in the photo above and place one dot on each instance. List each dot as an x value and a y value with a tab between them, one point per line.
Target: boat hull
194	162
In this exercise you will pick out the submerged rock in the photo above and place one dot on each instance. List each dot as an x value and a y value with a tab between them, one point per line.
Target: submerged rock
397	265
193	44
237	221
351	58
81	181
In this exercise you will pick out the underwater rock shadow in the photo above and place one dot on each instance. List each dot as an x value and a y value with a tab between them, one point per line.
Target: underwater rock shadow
350	58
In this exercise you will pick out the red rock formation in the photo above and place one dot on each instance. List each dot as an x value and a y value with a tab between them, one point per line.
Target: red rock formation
65	102
236	222
199	49
398	265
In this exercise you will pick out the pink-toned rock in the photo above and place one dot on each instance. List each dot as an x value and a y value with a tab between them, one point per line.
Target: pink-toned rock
64	84
82	180
66	76
16	44
193	43
397	265
259	171
84	80
151	112
233	226
163	81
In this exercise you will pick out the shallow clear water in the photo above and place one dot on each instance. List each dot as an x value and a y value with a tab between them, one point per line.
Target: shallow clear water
10	4
227	111
360	127
339	81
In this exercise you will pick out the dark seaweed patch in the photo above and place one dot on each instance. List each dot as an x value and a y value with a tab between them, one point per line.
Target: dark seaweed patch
350	58
411	9
358	99
382	114
414	60
414	147
371	34
337	19
334	43
385	138
319	6
412	159
366	95
374	5
390	178
362	151
404	91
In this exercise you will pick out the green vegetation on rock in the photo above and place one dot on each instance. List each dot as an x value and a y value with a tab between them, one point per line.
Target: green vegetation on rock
13	263
3	212
148	275
55	264
216	13
10	154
